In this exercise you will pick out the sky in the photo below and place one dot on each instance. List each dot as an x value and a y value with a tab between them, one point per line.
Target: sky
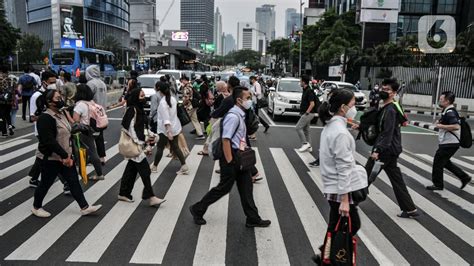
232	11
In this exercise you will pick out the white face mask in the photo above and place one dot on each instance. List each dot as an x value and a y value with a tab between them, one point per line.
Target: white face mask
52	87
351	113
247	104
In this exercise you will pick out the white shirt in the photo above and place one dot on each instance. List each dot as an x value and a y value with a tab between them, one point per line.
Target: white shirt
168	116
83	110
33	107
37	79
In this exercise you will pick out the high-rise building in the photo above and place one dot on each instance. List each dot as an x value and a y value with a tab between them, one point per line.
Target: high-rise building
229	43
314	12
143	23
293	21
265	17
197	18
247	36
218	32
9	6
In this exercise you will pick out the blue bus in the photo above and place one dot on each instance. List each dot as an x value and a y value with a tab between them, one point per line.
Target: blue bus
73	59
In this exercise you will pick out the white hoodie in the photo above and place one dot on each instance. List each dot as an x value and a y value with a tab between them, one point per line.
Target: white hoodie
340	174
98	87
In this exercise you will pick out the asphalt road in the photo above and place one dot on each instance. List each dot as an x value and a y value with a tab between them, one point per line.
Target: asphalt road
290	195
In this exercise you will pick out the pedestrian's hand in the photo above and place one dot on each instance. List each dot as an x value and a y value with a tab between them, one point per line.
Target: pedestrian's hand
374	156
355	126
344	208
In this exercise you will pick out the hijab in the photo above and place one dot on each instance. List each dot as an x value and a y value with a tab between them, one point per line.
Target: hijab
134	105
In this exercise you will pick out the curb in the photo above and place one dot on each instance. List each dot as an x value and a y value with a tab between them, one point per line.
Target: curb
424	125
430	113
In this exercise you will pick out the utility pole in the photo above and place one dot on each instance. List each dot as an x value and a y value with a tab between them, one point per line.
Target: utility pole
301	35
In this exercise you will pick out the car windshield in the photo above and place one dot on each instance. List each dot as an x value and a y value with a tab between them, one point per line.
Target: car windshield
348	87
148	82
289	86
172	73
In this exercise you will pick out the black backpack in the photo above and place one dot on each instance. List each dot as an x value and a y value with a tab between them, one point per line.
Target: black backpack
465	141
40	103
196	100
251	122
6	96
29	83
369	128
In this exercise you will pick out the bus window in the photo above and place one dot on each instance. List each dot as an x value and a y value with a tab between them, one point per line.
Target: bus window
62	57
88	58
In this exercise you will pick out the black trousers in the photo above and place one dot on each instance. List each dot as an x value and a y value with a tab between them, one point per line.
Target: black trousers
99	142
88	141
442	159
35	170
130	175
264	123
49	171
174	148
25	101
5	110
230	174
398	184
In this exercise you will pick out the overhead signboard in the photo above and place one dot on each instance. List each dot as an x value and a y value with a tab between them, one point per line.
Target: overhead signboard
378	16
209	47
72	26
380	4
335	71
180	36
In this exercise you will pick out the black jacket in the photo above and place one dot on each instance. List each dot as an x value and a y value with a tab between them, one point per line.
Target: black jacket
389	141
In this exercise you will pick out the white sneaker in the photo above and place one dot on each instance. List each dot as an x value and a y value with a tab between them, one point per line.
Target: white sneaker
305	147
90	209
155	201
40	213
153	168
184	170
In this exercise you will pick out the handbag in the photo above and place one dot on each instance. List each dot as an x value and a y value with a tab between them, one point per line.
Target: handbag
183	115
340	245
247	159
127	147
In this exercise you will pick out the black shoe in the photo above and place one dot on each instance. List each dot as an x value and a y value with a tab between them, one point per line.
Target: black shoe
465	182
10	131
315	163
266	129
24	118
66	190
197	219
13	127
34	183
411	214
317	259
261	223
432	188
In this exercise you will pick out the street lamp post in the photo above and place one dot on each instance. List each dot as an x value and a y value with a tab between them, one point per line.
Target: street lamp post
301	34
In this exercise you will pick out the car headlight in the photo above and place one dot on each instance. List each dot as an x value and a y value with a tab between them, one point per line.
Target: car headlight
283	99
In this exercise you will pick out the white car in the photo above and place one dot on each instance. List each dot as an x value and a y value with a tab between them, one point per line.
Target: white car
147	84
361	99
285	99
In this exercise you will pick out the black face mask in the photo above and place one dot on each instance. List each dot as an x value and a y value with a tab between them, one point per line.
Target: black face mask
383	95
59	104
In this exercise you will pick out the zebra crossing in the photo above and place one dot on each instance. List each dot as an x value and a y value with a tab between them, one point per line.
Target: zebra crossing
290	195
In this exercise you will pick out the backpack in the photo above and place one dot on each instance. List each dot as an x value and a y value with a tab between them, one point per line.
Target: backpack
465	141
369	128
252	122
6	96
28	84
196	98
216	145
210	98
98	117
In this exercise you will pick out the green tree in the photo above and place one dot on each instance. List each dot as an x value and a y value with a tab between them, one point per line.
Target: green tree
110	43
465	45
245	56
9	35
280	48
335	44
30	46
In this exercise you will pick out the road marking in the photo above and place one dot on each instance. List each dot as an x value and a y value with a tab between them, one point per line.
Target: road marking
16	168
271	248
16	139
375	241
155	241
428	168
14	188
44	238
309	214
23	211
430	158
4	146
96	243
211	245
272	123
470	158
458	228
16	153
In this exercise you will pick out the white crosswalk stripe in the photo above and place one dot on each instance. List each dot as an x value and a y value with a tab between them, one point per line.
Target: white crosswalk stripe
212	243
19	152
470	158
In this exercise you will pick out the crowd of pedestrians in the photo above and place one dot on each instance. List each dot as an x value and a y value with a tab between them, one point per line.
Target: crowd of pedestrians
225	116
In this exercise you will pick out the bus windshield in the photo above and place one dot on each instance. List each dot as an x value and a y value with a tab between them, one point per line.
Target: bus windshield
63	57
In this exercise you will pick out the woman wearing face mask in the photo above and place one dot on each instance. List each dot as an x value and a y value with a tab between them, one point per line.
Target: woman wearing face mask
135	122
54	133
169	128
339	172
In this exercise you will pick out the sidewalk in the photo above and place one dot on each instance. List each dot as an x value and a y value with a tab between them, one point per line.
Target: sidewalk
112	98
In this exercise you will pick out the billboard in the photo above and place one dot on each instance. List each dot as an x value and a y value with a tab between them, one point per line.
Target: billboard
210	47
180	36
379	16
72	26
380	4
335	71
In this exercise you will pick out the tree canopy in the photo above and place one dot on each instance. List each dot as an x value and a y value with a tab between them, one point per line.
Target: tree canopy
9	36
30	46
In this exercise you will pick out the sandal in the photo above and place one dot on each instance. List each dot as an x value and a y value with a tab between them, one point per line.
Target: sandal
203	153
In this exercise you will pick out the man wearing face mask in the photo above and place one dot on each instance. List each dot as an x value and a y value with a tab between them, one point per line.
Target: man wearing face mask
388	147
307	110
374	96
449	138
233	139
